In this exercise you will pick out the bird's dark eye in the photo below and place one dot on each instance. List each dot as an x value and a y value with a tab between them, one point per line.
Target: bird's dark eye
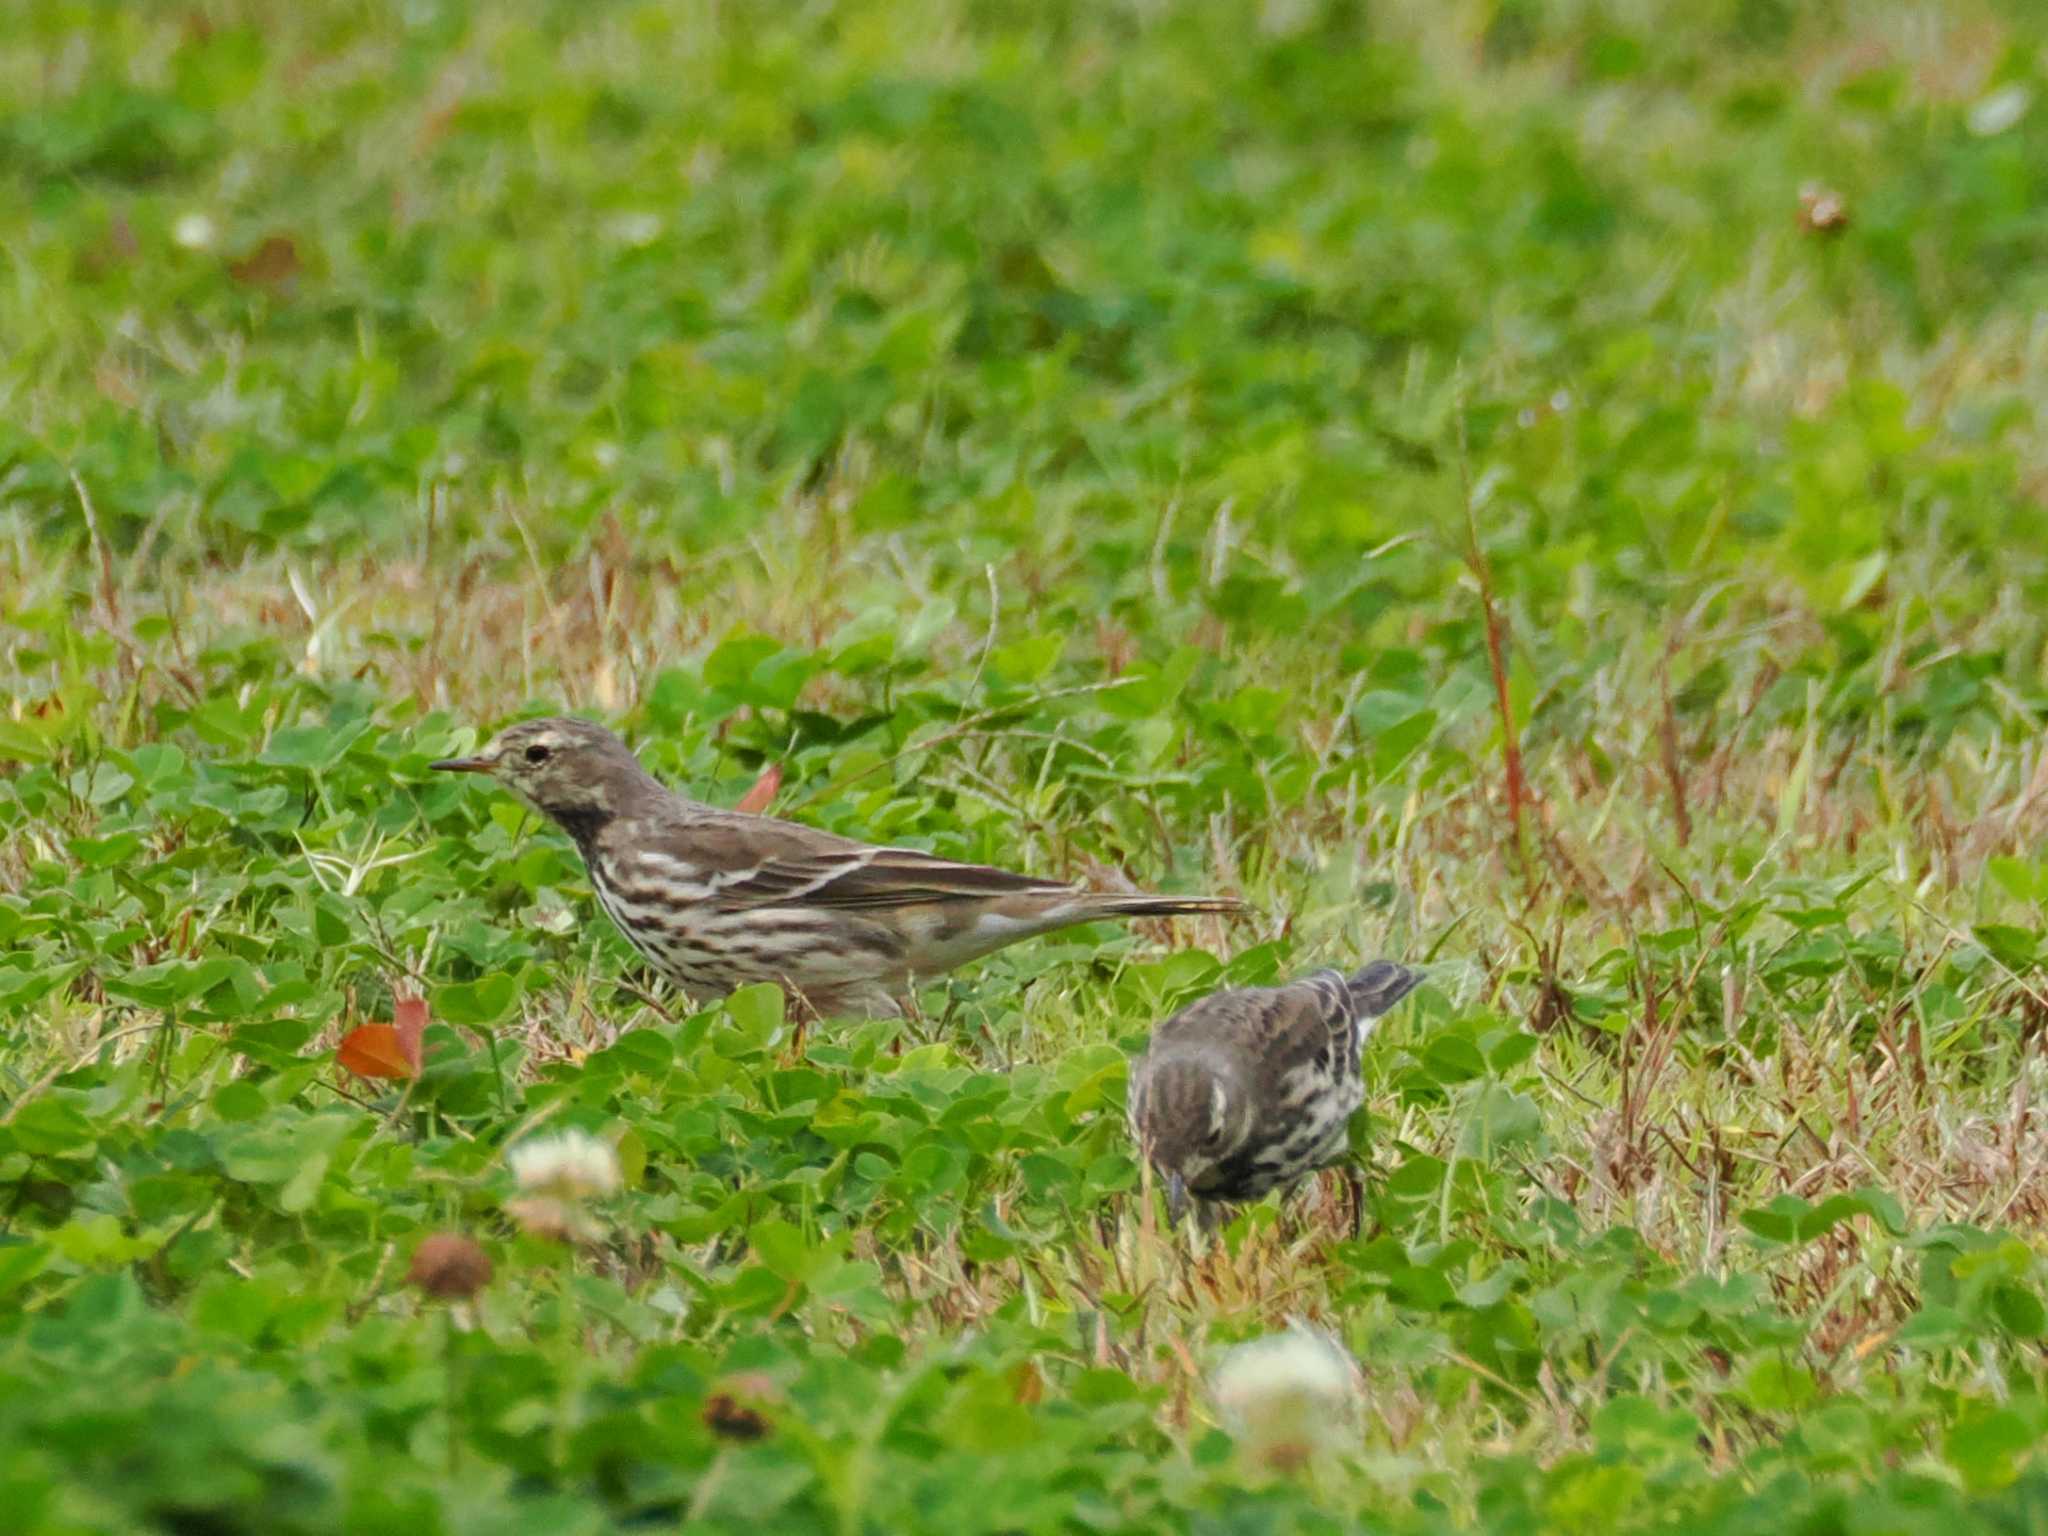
537	753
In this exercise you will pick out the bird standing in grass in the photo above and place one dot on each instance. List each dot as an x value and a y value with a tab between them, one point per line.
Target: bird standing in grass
1249	1090
717	899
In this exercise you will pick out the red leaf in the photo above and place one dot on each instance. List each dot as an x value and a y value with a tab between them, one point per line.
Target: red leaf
375	1050
409	1022
757	800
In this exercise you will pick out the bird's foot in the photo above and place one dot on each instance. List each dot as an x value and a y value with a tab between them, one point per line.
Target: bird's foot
1355	1182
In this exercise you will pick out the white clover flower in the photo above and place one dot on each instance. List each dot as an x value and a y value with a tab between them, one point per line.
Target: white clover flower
635	229
1287	1395
194	231
559	1221
571	1166
2000	110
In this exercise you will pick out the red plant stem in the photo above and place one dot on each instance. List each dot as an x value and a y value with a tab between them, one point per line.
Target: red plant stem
1496	657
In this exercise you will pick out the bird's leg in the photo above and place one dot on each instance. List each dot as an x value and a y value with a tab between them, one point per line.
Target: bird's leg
1355	1181
913	1012
801	1013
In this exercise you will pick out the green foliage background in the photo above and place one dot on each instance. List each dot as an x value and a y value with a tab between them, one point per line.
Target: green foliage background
1056	434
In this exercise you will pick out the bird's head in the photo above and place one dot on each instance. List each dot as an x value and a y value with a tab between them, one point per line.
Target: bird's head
1193	1113
575	772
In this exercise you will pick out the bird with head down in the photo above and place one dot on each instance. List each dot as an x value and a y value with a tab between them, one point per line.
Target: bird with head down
1252	1088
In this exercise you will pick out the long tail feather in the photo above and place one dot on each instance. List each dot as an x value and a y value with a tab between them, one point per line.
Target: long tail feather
1157	906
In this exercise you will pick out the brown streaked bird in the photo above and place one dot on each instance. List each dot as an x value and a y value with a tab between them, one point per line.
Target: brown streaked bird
716	899
1250	1089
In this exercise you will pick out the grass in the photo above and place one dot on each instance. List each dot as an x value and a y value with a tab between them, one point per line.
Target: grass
1198	446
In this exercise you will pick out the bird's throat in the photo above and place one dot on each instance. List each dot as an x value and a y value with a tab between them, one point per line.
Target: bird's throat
583	823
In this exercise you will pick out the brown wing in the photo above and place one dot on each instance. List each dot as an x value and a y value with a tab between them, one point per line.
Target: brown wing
764	861
1278	1028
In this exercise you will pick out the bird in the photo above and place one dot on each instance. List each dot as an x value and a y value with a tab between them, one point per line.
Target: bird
716	899
1250	1089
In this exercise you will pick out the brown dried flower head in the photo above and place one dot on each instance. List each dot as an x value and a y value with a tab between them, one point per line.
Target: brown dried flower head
735	1412
450	1266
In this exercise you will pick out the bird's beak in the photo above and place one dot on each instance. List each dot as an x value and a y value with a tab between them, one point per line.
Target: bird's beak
463	765
1176	1197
